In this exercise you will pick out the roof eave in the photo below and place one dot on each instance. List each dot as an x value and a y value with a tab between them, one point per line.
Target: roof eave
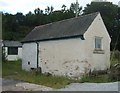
80	36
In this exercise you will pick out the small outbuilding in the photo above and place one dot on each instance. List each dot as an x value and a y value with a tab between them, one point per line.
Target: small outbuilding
70	47
12	50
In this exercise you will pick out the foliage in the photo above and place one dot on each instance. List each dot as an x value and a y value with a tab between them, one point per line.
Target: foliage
114	73
96	79
74	9
16	27
115	57
12	70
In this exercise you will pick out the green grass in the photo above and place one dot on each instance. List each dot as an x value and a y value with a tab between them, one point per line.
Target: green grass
12	70
96	79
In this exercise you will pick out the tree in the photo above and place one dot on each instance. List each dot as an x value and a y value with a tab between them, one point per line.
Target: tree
19	18
63	8
38	11
75	8
49	10
118	28
16	27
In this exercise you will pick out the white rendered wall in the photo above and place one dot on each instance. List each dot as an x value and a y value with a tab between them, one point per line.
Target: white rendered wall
29	54
98	61
63	57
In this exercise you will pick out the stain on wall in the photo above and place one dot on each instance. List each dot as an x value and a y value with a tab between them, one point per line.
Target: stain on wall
64	57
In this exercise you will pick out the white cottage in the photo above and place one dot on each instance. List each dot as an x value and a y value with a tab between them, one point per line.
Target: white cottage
71	47
12	50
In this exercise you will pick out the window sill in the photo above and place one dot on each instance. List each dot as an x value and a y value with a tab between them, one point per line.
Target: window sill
98	51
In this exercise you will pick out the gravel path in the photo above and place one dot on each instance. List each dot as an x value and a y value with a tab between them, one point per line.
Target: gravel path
13	85
115	86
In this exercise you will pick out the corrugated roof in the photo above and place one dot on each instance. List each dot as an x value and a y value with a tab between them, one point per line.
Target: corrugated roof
61	29
12	43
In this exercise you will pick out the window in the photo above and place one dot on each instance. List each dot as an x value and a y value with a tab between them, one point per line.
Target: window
98	43
12	50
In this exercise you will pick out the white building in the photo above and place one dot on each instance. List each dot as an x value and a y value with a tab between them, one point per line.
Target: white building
12	50
71	47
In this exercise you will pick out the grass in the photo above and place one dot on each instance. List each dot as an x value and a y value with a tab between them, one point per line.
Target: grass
96	79
12	70
101	78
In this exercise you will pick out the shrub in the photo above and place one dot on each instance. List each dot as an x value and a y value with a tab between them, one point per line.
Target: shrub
96	77
98	72
115	55
114	73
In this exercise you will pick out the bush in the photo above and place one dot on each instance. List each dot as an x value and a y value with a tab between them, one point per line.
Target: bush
115	55
100	76
98	72
114	73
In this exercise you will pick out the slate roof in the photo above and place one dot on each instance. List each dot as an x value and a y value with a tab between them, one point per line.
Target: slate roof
61	29
12	43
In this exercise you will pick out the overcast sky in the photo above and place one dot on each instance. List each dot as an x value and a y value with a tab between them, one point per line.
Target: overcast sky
24	6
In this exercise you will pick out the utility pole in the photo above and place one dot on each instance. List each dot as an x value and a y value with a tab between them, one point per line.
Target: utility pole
77	6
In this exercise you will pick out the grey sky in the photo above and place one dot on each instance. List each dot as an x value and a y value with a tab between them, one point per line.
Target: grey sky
24	6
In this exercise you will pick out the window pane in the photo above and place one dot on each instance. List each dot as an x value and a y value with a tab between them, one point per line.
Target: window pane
98	43
12	50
